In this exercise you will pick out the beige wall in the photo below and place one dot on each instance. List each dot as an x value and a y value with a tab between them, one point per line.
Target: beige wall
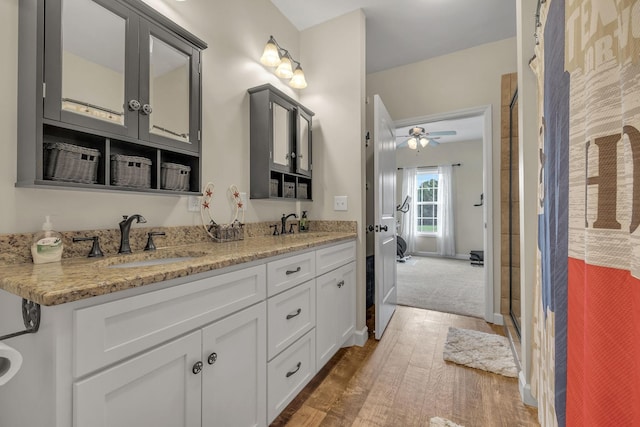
336	95
466	79
236	33
467	187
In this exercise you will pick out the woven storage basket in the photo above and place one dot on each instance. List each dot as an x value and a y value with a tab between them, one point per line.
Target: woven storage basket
175	176
130	171
227	232
70	163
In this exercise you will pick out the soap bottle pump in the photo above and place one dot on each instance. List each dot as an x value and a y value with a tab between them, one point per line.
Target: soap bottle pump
47	245
303	225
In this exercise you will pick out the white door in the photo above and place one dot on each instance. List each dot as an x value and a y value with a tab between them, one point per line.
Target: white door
234	376
384	172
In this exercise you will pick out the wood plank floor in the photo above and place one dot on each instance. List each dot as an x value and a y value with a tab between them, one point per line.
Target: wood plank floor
402	380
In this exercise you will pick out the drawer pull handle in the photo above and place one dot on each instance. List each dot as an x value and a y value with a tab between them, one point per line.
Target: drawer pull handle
341	283
212	358
197	368
297	313
295	370
297	270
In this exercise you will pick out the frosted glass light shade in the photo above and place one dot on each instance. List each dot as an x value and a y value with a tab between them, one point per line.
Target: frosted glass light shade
298	81
413	143
284	70
423	141
270	57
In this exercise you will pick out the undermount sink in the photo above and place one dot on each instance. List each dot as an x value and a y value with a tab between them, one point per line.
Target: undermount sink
305	235
151	262
150	259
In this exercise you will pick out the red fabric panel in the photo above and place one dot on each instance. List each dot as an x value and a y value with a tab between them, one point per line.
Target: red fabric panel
603	353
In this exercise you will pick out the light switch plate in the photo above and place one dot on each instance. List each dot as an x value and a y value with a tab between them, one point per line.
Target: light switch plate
193	204
340	203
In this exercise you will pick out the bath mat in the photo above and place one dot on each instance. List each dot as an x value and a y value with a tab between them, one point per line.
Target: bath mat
489	352
442	422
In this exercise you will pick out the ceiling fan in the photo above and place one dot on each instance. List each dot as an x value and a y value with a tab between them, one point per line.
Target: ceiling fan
417	134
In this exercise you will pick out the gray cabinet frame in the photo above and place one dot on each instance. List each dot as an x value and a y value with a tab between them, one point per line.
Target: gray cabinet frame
41	117
263	168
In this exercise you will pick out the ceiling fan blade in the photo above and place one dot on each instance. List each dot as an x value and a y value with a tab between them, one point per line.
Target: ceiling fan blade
433	143
442	132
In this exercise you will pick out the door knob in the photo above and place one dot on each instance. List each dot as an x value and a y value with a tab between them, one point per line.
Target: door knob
370	228
146	109
384	228
197	368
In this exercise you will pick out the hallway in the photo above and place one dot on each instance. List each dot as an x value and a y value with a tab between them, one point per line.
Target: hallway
403	381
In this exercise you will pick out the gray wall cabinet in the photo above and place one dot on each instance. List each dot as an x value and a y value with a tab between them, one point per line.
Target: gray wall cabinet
105	79
281	142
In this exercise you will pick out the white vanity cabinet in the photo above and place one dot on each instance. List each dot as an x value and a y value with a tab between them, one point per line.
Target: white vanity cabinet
335	299
231	347
215	375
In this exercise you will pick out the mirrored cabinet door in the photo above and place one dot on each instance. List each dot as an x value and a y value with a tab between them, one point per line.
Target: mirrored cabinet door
91	81
281	152
303	150
169	89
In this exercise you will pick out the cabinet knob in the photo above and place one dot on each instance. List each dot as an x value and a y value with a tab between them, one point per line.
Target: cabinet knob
296	369
134	105
293	155
212	358
341	283
197	368
146	109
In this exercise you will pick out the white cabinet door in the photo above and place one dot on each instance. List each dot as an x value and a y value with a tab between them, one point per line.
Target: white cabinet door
234	354
158	388
335	312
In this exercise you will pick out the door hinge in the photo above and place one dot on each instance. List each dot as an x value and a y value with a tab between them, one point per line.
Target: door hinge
199	67
44	90
199	135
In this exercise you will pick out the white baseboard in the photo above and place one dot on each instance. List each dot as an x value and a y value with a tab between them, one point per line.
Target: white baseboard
358	338
498	319
525	391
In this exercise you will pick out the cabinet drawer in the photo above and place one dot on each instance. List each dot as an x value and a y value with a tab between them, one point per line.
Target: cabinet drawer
291	315
288	373
288	272
106	333
328	259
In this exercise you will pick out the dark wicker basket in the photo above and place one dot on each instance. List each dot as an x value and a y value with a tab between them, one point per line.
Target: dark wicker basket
70	163
175	176
130	171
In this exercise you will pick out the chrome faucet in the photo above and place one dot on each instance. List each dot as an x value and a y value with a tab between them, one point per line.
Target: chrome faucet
284	222
125	228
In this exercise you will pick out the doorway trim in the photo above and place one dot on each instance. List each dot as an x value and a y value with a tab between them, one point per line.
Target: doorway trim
487	188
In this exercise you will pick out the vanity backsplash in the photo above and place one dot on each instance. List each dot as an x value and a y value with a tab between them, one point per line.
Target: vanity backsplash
15	248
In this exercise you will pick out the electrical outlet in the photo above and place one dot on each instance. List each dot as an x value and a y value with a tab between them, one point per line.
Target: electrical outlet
340	203
193	204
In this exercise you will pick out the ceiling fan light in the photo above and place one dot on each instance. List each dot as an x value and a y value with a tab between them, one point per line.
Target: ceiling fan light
284	70
423	141
413	143
270	57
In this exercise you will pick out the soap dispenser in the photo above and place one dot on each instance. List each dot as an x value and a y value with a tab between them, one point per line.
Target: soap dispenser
304	224
47	244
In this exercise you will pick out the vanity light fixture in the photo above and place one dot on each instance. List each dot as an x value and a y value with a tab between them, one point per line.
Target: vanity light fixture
275	55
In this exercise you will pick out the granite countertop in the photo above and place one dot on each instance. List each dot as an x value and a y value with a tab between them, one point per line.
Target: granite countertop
74	279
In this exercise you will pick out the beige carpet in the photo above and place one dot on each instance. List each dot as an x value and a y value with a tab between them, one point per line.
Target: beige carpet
441	284
442	422
489	352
